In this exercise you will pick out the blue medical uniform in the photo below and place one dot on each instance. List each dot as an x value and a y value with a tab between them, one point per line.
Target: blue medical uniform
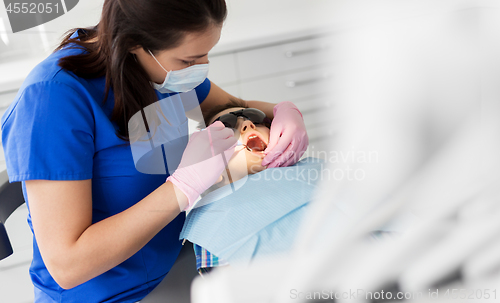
58	128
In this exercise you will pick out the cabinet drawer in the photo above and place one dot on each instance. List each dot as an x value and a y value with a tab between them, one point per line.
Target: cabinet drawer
222	69
319	118
289	86
313	104
284	57
320	136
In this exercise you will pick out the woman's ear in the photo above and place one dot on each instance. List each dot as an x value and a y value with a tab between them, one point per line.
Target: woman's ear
136	50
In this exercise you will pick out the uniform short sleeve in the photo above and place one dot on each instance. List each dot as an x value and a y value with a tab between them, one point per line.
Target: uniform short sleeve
202	90
48	133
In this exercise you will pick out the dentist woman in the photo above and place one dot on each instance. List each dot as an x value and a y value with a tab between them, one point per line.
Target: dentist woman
98	234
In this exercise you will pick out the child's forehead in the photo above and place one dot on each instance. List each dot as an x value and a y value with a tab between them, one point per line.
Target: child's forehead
226	111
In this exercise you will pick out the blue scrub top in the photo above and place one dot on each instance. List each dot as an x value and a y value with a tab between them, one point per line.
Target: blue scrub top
57	128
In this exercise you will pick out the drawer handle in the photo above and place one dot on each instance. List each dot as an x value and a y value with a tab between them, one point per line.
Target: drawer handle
294	83
291	54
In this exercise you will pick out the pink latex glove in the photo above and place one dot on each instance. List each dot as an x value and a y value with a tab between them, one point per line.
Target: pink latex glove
288	137
202	163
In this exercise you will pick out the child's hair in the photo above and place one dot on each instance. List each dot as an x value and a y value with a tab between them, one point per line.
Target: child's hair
212	112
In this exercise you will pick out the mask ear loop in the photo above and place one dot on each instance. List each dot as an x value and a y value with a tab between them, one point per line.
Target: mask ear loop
159	109
157	61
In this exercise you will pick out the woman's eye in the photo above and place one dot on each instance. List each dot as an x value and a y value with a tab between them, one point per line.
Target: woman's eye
188	62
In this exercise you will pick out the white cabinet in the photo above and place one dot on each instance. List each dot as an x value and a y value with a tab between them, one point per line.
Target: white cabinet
287	86
225	69
284	57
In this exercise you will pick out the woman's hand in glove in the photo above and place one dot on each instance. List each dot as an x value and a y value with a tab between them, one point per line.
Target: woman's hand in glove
202	163
288	138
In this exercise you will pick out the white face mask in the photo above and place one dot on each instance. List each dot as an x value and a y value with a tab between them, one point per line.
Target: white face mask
181	81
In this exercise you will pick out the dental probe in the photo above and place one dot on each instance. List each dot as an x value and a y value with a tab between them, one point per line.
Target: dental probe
247	148
244	145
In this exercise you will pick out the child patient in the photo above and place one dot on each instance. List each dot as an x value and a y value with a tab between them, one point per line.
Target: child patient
252	128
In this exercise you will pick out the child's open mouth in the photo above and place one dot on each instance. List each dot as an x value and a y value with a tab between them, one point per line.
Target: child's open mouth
255	144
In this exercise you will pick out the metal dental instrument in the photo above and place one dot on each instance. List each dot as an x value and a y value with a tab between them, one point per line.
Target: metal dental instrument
247	148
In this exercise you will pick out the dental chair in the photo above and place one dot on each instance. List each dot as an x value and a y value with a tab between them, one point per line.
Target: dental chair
176	286
11	197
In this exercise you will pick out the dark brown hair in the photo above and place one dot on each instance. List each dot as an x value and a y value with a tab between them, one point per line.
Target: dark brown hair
151	24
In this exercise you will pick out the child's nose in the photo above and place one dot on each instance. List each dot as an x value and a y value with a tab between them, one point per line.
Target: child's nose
246	126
